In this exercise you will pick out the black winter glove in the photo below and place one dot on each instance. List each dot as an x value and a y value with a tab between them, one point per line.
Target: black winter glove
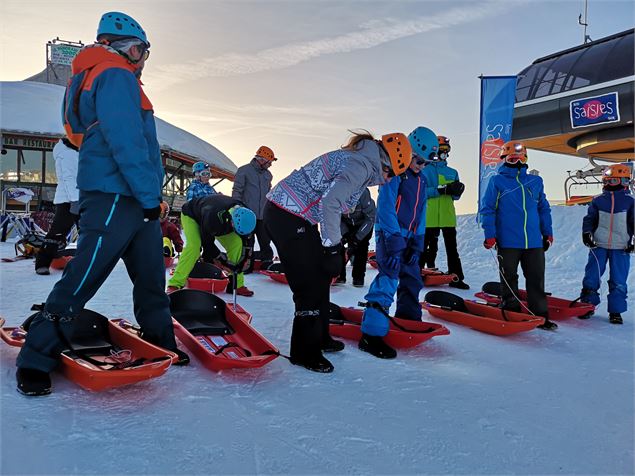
455	189
151	214
630	247
442	189
332	261
587	239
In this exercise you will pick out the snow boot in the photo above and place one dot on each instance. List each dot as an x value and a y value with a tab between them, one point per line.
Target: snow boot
32	382
306	340
358	282
244	291
184	359
332	345
328	343
376	346
42	271
460	284
548	325
615	318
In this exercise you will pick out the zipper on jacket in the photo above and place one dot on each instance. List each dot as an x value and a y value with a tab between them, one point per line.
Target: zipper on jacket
524	210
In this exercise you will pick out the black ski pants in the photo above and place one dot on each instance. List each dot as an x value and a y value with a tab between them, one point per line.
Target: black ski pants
532	262
63	222
357	254
111	227
431	247
264	241
300	249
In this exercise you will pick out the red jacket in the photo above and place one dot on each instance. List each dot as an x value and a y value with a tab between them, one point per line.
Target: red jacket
171	231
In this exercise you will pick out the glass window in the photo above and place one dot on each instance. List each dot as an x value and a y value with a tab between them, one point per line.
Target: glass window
619	62
544	73
525	79
9	165
31	165
591	63
49	170
562	68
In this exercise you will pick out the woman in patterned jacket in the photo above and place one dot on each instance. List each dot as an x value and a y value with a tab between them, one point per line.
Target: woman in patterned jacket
317	194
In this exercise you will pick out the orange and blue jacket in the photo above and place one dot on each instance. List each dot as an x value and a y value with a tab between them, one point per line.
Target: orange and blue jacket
105	104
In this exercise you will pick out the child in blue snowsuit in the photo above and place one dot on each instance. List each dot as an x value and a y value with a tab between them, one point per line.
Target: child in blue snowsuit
607	230
399	237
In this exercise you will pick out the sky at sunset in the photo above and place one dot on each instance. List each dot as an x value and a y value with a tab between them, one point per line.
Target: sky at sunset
295	75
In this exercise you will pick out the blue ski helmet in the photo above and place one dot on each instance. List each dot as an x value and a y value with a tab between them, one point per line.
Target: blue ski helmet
120	24
198	167
243	220
424	143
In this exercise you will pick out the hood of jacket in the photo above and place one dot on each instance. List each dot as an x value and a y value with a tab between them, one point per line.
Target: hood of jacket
93	55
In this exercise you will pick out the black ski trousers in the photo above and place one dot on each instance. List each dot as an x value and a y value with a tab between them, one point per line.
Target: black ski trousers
532	262
431	247
357	254
111	227
63	221
300	249
264	241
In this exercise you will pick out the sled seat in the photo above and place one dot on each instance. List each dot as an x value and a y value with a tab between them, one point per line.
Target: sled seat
204	270
90	334
200	312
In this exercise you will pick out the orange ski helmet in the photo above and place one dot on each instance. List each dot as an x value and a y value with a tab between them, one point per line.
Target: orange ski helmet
444	144
514	151
399	150
266	153
618	174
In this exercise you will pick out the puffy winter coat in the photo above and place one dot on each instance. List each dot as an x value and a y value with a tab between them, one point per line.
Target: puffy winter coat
199	189
251	185
440	212
171	231
66	172
401	212
361	219
211	213
515	209
120	152
610	218
330	185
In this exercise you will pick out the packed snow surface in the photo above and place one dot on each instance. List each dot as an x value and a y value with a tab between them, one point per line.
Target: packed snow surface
468	403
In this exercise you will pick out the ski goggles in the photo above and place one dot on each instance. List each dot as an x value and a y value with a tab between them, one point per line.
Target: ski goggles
417	159
616	181
515	158
443	156
205	173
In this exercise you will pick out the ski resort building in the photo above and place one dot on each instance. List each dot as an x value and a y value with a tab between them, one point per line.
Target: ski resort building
31	125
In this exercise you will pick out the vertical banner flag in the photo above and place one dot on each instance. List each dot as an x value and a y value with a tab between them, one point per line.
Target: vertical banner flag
498	94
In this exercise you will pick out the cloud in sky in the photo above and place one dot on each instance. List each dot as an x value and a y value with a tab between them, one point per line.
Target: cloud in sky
371	34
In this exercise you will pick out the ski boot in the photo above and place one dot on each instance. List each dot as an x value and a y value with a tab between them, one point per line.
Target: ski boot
460	284
376	346
32	382
615	318
548	325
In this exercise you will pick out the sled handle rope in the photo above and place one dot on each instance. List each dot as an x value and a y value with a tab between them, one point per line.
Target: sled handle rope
375	305
496	257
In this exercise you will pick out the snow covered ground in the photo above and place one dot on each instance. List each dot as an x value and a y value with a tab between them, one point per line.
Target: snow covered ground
467	403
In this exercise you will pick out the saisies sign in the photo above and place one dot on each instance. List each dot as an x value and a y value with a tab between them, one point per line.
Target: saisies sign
586	112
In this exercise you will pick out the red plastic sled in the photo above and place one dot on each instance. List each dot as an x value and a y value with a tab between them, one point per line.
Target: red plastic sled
152	360
275	275
481	317
219	336
433	277
207	277
63	258
557	308
346	322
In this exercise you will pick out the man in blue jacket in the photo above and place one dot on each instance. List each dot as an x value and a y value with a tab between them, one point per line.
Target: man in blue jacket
608	230
119	178
516	218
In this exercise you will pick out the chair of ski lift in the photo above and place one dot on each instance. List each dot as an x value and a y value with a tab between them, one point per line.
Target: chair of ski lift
18	222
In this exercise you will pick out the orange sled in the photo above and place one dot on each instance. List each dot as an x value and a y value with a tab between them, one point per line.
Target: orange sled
63	258
104	355
346	322
219	336
557	308
207	277
431	277
481	317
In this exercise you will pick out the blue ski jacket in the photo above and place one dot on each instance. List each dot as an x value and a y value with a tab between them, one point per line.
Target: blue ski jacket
515	210
401	212
120	152
199	189
440	211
